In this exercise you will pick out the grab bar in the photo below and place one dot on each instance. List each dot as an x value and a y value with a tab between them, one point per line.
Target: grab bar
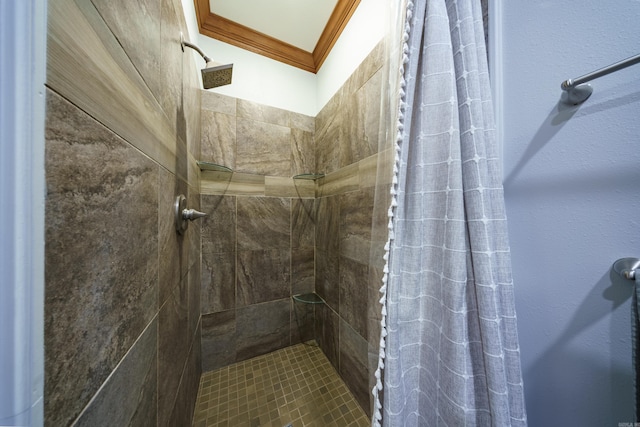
576	89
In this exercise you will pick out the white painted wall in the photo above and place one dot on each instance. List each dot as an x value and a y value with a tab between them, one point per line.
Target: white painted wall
365	29
572	187
260	79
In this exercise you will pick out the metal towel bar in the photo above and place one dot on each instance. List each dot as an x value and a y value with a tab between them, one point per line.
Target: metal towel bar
577	91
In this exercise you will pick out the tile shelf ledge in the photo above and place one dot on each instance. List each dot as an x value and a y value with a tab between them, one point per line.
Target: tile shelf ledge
209	166
310	298
309	176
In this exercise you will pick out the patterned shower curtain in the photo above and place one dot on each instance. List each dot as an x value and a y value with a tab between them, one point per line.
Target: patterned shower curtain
449	345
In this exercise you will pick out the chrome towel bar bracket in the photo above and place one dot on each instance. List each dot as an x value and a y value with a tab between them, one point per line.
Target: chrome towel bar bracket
576	91
627	267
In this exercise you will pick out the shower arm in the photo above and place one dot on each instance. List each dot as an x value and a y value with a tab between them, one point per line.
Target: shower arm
184	43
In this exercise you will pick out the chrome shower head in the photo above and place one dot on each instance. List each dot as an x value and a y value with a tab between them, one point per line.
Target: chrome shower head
214	74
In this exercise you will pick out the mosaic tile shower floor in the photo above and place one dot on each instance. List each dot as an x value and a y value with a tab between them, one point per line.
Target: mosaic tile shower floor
294	386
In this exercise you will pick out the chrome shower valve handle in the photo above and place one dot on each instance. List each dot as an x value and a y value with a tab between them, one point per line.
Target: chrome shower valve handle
183	215
192	214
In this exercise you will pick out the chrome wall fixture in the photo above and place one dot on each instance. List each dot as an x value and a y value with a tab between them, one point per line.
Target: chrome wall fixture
183	215
627	267
576	91
214	74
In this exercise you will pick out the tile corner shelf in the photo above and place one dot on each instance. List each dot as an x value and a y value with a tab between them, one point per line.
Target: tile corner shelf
208	166
310	298
309	176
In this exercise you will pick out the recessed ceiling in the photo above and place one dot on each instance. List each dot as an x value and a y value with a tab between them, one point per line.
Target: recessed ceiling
297	22
300	33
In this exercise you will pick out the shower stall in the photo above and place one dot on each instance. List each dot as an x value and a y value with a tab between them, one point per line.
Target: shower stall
293	215
134	311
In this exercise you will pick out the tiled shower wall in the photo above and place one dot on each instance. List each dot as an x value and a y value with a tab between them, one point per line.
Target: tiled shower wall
258	240
346	141
269	236
122	296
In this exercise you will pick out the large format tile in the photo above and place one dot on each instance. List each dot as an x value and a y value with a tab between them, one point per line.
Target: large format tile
218	282
219	226
327	332
232	184
88	65
327	214
327	142
302	270
262	276
355	224
263	113
302	322
194	278
354	296
136	25
171	245
212	101
191	101
263	328
218	138
101	255
193	235
183	409
129	397
263	223
369	97
302	152
354	364
302	122
328	278
173	344
302	223
278	186
170	67
368	68
361	120
329	112
263	148
218	339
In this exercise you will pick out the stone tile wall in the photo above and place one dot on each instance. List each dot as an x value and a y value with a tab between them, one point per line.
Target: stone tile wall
122	293
270	236
346	140
258	240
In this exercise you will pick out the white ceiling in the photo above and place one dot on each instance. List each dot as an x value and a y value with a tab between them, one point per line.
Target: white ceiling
297	22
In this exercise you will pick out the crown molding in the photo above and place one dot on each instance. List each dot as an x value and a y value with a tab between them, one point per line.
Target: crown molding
227	31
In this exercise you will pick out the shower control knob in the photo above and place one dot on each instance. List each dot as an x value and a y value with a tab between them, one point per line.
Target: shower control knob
183	215
192	214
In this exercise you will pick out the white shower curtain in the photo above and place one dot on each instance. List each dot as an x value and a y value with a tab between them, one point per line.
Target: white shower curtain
452	354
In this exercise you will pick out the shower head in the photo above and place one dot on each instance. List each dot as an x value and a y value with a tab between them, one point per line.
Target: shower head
214	74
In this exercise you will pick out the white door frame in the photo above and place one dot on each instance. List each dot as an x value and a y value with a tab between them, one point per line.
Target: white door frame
22	198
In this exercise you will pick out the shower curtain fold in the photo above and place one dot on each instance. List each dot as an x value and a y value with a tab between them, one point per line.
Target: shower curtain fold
449	346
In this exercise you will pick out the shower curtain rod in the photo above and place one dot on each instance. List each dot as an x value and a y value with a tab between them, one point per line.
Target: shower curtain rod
576	89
